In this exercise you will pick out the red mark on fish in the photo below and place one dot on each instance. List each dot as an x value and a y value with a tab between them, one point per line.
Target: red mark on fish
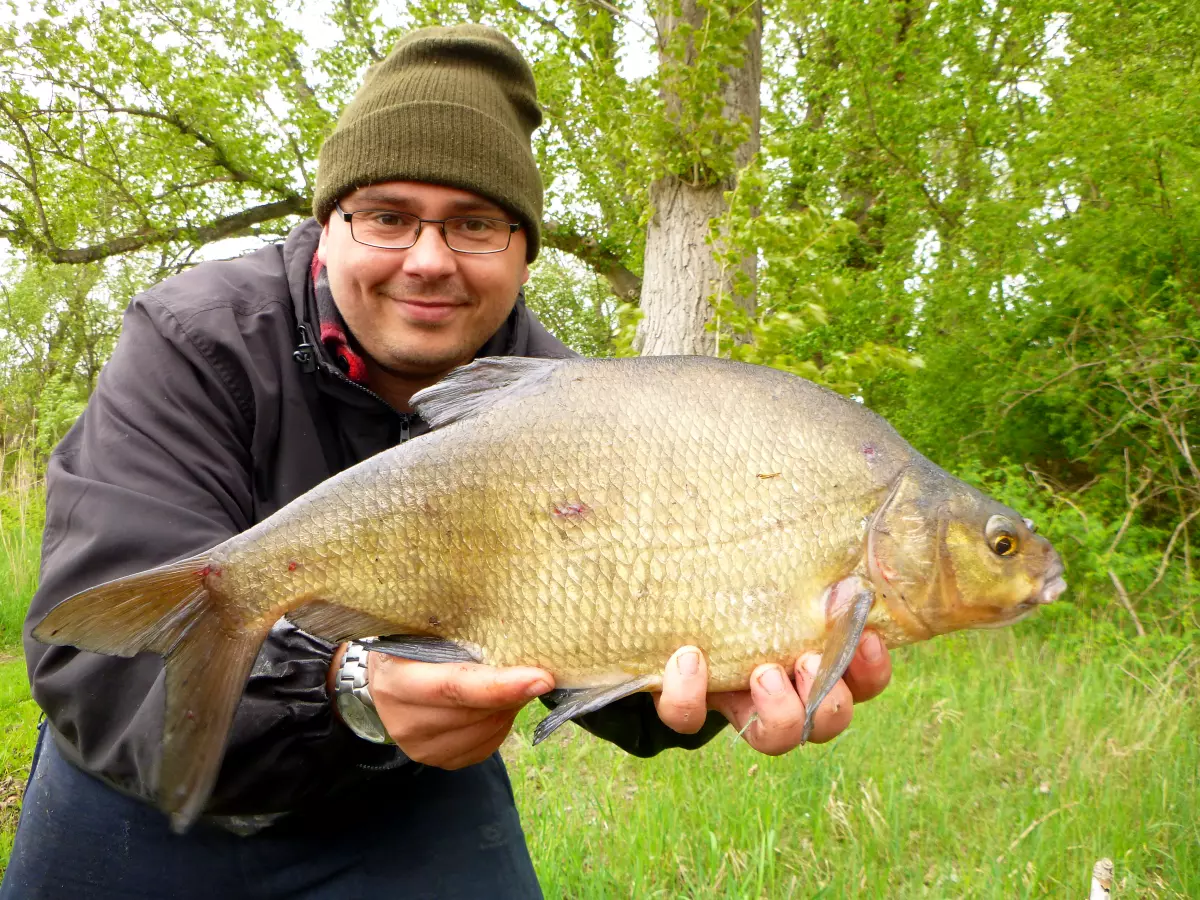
293	566
574	510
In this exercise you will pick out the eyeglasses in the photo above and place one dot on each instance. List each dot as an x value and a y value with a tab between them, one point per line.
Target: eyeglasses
391	230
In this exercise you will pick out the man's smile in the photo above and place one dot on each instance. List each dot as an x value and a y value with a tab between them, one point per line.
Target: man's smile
428	310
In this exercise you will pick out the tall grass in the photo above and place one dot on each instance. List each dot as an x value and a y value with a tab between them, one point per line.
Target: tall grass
995	766
18	731
22	512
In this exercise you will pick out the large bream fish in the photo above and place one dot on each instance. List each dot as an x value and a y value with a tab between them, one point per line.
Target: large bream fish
589	517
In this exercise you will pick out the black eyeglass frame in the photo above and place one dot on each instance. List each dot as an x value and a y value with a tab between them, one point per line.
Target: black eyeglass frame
348	218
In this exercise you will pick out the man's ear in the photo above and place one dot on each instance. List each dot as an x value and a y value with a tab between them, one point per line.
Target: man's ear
322	248
525	274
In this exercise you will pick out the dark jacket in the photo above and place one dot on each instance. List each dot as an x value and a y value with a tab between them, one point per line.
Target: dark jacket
215	410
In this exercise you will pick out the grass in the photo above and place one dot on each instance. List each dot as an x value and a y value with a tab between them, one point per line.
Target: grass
999	764
18	724
996	765
21	516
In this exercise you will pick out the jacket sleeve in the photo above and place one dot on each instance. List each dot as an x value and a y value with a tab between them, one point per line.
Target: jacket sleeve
632	723
157	468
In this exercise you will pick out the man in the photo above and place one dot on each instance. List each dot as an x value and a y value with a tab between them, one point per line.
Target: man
236	387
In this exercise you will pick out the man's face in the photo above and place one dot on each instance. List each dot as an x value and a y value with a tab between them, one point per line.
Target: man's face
422	311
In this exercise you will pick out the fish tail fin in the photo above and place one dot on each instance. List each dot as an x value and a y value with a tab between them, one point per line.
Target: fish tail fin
172	611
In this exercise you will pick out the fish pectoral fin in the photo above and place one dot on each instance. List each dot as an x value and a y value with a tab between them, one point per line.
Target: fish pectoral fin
841	641
336	623
473	388
575	703
421	648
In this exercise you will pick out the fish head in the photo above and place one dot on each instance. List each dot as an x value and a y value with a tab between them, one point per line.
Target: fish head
945	556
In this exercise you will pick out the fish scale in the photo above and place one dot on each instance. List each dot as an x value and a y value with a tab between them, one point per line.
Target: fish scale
588	517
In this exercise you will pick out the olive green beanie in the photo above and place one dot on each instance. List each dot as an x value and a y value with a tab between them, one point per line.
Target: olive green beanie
453	106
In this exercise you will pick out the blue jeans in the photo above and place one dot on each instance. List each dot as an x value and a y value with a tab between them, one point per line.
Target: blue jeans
420	833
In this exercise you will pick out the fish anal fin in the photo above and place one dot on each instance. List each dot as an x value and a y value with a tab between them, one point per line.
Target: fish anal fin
473	388
846	620
336	623
422	648
575	703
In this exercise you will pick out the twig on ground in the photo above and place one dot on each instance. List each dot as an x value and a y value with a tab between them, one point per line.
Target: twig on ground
1032	825
1137	623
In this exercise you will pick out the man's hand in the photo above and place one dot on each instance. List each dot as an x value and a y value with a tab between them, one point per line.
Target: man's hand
450	715
684	701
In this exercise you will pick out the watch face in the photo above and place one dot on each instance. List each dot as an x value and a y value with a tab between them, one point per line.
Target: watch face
357	718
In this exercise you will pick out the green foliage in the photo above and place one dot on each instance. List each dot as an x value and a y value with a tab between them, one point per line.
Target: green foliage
22	515
699	44
114	104
57	328
572	303
1037	258
18	732
629	316
795	288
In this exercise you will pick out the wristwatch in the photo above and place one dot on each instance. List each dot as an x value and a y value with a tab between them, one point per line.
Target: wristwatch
353	697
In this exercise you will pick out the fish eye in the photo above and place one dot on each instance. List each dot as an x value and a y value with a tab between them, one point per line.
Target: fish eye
1005	545
1001	536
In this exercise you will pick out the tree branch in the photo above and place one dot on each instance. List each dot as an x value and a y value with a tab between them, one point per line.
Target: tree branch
355	24
171	119
224	227
1124	596
551	25
624	283
608	7
32	183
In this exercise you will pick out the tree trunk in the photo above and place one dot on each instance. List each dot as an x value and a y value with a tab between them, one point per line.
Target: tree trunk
681	274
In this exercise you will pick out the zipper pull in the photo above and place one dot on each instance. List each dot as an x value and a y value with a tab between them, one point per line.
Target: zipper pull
405	421
305	354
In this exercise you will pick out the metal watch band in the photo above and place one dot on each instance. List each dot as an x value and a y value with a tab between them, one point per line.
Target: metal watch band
353	697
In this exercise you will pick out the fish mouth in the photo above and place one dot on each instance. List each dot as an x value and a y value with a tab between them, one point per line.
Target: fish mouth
1053	585
1052	590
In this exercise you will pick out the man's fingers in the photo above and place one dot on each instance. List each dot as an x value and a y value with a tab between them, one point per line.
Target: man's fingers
682	705
450	715
769	716
780	712
870	670
422	723
459	747
454	684
485	748
736	706
836	709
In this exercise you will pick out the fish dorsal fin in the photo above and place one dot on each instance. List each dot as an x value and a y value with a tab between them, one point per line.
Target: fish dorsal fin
473	388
